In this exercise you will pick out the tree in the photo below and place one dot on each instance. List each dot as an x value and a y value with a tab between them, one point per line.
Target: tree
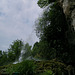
35	49
11	56
44	3
3	58
42	50
26	51
0	54
15	50
52	27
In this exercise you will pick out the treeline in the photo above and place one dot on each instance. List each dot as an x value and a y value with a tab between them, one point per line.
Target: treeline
14	52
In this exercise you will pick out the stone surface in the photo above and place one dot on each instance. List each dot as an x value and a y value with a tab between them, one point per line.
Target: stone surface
73	18
69	11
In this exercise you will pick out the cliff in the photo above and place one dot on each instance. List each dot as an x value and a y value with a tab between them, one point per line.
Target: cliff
69	11
68	7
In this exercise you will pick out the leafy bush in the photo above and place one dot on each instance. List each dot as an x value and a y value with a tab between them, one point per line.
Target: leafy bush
48	72
11	68
24	68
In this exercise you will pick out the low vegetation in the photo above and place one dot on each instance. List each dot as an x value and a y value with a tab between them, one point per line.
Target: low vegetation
49	67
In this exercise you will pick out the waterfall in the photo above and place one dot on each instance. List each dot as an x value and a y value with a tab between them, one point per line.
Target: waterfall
47	8
20	58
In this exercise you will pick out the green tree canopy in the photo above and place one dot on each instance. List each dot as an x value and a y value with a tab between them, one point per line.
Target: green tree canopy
26	51
3	58
44	3
52	27
15	50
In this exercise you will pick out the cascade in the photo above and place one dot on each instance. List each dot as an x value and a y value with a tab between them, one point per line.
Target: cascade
20	58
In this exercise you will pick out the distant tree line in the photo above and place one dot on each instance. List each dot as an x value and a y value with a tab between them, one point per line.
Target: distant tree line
14	52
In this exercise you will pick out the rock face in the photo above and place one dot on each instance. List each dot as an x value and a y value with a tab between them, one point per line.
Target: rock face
69	11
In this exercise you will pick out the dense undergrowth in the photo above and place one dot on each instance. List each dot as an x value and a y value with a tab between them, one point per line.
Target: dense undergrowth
49	67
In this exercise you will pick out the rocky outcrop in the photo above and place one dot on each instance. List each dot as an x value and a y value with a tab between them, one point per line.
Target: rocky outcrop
69	11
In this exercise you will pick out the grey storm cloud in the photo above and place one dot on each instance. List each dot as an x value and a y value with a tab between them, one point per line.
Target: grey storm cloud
17	18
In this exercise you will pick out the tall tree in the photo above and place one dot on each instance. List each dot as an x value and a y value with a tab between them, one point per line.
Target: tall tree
0	54
26	51
3	58
35	49
52	27
15	49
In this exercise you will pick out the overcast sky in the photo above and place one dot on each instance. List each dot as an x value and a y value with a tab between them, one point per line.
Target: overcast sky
17	19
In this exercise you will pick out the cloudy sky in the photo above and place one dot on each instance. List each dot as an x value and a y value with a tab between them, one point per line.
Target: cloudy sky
17	19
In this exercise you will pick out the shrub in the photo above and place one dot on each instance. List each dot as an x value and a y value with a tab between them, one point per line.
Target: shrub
48	72
24	68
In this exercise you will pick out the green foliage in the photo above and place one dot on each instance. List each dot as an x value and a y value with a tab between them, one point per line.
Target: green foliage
15	50
49	72
44	3
40	50
24	68
51	28
35	49
26	51
3	58
11	68
0	53
52	66
12	54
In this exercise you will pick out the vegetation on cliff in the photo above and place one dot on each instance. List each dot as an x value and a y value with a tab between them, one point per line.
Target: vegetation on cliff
53	46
